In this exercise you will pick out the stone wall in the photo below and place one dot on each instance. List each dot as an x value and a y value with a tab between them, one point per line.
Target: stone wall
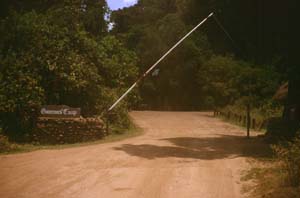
67	130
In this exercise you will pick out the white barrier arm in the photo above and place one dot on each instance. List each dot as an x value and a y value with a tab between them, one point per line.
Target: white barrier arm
155	64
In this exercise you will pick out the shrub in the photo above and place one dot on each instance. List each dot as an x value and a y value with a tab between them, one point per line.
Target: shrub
4	143
281	128
119	118
289	155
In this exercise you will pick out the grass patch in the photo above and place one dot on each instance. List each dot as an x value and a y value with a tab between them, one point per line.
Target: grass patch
116	134
266	179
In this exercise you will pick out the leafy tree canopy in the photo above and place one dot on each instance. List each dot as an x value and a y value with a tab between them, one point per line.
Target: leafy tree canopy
55	57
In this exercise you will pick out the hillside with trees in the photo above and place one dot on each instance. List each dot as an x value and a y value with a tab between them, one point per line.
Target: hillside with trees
213	68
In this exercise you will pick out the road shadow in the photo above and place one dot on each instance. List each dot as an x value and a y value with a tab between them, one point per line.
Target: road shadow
208	148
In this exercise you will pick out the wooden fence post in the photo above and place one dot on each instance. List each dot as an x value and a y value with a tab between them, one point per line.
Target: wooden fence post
107	125
248	121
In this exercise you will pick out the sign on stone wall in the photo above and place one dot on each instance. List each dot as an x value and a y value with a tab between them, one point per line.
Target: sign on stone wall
60	111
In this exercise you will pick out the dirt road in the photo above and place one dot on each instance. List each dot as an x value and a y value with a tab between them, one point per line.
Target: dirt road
181	155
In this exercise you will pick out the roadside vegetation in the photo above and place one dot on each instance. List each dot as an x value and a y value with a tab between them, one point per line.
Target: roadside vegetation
276	177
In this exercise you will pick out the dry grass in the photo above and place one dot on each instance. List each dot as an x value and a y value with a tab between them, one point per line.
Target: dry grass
266	179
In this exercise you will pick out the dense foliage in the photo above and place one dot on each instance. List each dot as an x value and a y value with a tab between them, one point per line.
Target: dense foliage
209	70
225	81
61	55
